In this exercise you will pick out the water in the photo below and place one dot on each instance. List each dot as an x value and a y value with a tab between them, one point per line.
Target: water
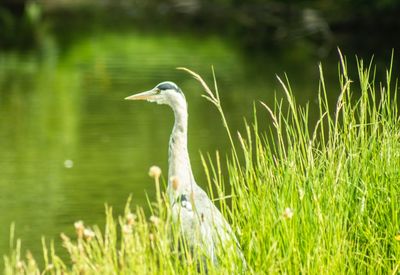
69	143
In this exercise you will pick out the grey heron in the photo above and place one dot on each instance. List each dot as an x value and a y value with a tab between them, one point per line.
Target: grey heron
202	224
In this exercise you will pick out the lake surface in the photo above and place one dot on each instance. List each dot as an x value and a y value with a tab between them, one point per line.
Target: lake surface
69	143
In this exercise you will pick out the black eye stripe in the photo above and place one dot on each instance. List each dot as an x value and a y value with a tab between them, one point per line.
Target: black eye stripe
166	86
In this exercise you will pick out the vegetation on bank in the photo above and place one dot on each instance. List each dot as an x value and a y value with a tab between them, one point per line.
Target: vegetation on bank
314	199
252	24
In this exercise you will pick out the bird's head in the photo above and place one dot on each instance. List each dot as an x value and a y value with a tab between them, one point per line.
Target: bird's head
164	93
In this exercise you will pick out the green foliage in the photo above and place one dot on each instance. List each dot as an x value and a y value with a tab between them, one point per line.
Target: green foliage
21	29
302	201
340	180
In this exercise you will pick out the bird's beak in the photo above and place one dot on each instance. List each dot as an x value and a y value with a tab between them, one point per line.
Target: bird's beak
143	96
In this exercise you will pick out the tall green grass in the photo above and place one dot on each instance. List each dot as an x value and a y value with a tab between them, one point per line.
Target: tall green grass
315	199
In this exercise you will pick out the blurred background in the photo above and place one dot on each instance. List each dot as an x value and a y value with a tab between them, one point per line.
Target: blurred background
69	143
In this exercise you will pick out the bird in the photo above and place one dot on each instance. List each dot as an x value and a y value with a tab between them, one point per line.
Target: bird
202	225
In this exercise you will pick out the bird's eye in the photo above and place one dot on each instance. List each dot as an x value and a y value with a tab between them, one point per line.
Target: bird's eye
157	91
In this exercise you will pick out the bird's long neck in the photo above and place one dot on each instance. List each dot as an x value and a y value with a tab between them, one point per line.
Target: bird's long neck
178	157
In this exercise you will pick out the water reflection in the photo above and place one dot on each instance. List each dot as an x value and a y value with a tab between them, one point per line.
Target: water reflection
69	142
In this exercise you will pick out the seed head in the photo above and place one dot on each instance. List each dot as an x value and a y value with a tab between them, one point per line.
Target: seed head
155	172
20	265
79	228
155	220
174	182
89	234
64	238
29	255
288	213
127	229
79	225
130	218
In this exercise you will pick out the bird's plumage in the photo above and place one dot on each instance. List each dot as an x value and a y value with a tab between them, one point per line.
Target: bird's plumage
202	224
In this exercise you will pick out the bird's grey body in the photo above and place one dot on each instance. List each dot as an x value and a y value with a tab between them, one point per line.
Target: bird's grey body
202	224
